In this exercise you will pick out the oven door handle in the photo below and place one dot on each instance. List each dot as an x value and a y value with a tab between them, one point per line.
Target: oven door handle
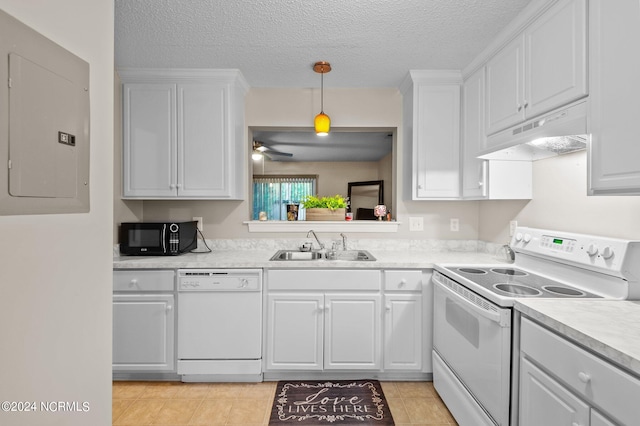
492	315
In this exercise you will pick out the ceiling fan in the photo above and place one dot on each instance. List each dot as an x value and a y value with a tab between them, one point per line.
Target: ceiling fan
260	147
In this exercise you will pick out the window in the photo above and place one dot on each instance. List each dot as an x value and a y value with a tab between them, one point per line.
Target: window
271	194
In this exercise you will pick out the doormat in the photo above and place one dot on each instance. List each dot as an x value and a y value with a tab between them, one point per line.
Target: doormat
344	402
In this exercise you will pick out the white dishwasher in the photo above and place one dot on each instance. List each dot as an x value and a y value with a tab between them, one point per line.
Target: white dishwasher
220	325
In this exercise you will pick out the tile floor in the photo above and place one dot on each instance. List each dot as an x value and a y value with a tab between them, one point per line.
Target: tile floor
249	404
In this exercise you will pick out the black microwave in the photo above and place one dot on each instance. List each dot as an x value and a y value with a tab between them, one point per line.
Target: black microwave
158	238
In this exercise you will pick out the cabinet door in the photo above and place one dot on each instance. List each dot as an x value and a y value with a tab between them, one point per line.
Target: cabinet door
598	419
403	332
556	69
149	140
614	67
352	332
436	144
505	87
203	135
543	401
473	136
143	332
294	331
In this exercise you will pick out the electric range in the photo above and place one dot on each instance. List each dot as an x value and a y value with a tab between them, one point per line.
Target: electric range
474	324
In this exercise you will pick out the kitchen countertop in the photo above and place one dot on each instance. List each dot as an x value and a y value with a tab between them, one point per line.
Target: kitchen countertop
242	258
609	328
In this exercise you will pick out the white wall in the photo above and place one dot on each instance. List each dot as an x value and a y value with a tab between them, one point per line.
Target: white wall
55	270
560	202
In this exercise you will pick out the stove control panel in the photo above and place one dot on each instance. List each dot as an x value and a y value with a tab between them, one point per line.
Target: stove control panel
595	252
557	243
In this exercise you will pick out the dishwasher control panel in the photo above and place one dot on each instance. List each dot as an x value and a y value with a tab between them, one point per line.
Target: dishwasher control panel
219	280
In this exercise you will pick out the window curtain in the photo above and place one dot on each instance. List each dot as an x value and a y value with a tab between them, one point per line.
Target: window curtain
271	194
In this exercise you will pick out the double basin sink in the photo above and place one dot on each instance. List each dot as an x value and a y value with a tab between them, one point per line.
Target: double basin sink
348	255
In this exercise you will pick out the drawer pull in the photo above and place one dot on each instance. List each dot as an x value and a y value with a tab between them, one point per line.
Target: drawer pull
584	377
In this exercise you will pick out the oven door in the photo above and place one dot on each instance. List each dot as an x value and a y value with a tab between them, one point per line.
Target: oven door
472	337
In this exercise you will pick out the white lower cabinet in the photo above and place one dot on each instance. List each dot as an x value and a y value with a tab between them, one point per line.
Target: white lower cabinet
563	384
543	401
352	332
403	320
143	321
344	320
295	331
323	331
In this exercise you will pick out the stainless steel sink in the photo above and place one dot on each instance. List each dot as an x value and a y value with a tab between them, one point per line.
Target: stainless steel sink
348	255
296	255
352	255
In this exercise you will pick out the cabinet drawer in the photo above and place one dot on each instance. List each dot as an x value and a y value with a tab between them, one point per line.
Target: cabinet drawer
593	379
325	279
136	280
403	280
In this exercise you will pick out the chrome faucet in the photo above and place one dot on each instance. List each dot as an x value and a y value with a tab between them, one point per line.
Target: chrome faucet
316	237
344	241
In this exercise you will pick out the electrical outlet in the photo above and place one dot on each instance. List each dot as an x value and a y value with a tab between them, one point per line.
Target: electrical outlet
416	224
454	224
200	223
512	227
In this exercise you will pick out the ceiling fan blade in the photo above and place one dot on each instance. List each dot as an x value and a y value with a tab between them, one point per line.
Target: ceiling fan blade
260	146
270	151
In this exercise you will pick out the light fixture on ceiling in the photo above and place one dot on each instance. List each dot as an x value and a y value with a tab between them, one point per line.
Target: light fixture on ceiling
258	151
322	122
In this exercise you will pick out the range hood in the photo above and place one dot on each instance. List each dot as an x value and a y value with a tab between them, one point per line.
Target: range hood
559	132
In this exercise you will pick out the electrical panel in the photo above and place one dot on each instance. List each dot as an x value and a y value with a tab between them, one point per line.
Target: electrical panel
44	124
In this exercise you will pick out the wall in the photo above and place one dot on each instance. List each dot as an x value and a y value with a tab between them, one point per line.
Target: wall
55	272
332	176
348	108
560	202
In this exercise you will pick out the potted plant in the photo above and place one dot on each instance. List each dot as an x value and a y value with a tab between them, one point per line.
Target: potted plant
325	208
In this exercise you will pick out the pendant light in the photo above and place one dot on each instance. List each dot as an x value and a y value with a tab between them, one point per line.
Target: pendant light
322	122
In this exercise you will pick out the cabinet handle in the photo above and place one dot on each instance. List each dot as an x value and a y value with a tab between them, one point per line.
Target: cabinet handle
179	185
526	104
169	307
519	107
133	282
388	308
402	282
584	377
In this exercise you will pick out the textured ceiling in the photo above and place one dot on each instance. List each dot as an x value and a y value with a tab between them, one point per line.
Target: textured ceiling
274	43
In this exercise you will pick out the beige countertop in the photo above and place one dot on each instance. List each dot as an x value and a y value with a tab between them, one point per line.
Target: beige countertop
609	328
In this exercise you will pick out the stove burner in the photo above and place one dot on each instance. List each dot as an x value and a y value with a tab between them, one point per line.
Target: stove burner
508	271
472	271
565	291
514	289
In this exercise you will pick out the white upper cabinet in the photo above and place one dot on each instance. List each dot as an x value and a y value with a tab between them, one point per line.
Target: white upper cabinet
544	67
614	70
431	123
487	179
183	134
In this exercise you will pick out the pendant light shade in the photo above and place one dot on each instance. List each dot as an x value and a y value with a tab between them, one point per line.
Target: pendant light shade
322	122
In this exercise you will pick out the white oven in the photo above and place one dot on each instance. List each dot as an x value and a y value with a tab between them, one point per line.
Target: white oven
475	339
474	336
